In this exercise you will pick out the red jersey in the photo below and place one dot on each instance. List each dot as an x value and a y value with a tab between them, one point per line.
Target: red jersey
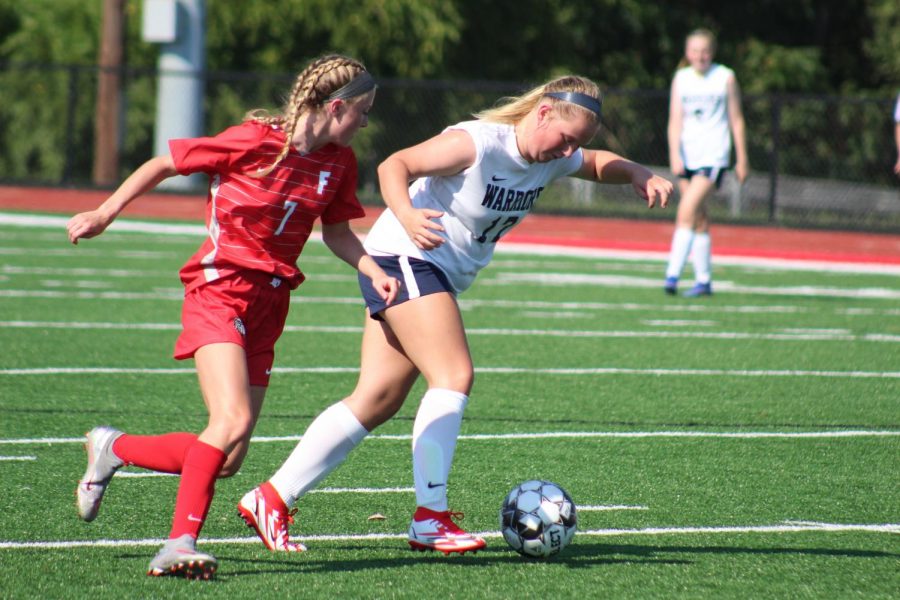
262	223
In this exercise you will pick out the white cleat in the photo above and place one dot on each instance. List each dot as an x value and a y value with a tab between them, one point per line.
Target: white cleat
179	557
101	465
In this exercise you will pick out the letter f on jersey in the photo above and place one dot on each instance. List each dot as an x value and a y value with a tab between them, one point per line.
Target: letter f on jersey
323	181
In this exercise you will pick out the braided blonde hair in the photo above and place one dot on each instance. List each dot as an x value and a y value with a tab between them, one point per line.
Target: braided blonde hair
513	109
313	86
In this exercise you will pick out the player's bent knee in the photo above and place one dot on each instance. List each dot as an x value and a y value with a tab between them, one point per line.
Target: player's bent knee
230	469
236	427
461	382
235	459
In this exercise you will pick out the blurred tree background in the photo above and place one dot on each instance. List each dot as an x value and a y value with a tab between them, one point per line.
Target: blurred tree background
850	46
818	76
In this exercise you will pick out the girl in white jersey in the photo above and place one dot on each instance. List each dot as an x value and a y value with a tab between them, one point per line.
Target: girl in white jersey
897	133
705	103
471	184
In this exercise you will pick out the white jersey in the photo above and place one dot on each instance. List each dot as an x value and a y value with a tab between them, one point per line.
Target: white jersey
705	136
480	204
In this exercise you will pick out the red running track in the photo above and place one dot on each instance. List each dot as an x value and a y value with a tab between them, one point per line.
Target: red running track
584	232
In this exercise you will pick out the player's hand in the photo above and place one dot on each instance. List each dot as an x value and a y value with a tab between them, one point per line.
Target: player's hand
741	170
87	225
421	228
387	287
654	189
677	166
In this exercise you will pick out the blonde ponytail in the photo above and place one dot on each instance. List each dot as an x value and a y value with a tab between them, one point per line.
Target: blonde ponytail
513	109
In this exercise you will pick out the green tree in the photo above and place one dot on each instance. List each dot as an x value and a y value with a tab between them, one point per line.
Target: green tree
399	38
883	46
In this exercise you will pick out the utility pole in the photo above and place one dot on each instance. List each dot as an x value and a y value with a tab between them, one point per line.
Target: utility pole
179	26
109	90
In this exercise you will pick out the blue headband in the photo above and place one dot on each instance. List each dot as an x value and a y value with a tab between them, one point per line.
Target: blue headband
583	100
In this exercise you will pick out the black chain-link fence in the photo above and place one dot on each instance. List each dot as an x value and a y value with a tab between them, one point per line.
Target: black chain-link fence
816	161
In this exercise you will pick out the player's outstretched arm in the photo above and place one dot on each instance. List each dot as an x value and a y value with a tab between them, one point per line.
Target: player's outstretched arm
897	140
608	167
92	223
738	130
673	130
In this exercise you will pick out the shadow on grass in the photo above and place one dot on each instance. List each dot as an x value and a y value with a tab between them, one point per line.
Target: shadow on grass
579	556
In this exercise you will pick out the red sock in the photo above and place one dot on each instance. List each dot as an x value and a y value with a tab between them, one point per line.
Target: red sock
273	498
164	453
202	464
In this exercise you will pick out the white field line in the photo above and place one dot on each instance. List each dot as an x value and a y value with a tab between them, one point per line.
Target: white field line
680	323
506	247
177	294
848	433
370	490
786	527
173	294
628	281
608	507
552	279
81	272
789	336
390	490
585	371
45	221
17	458
120	273
365	490
738	261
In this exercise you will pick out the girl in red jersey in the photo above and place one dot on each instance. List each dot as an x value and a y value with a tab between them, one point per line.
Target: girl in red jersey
271	177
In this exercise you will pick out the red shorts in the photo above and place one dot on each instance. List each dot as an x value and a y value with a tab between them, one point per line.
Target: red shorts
248	308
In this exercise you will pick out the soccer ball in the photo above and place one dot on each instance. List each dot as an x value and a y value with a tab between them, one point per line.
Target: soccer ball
538	519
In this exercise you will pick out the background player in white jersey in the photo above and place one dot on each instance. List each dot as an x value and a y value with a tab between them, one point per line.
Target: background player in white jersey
897	133
704	114
271	177
471	184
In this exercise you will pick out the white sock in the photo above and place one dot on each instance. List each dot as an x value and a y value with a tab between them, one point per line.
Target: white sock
433	444
682	240
702	258
325	444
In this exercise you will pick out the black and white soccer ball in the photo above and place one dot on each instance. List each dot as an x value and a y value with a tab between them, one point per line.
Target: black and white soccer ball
538	518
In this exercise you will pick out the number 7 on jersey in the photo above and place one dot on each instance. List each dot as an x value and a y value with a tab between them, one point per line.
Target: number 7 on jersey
289	206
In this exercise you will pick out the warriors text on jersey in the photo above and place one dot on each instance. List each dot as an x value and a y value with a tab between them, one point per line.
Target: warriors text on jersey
705	137
480	204
262	223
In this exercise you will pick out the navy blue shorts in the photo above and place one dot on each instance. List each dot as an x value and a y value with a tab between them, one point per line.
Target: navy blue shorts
713	173
417	278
